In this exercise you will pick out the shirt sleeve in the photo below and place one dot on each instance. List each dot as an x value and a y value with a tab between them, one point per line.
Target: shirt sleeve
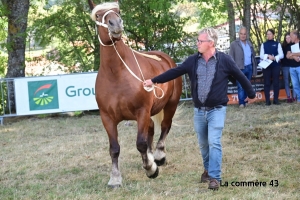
262	54
280	53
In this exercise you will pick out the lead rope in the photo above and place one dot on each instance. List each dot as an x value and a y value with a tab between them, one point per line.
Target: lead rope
148	89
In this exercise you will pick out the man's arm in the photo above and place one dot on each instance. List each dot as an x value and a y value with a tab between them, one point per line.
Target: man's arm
168	75
294	56
242	79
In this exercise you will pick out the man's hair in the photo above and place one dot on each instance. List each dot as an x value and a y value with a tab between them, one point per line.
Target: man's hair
242	27
296	32
211	34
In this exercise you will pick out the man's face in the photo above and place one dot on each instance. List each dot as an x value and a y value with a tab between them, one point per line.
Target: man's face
243	34
203	43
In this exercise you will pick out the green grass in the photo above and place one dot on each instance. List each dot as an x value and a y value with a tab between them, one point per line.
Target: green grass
68	158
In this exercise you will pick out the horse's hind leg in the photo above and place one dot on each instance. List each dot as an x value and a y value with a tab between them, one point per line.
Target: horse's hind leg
144	142
114	151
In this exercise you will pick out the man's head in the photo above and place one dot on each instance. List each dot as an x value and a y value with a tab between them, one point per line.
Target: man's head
207	40
294	36
243	34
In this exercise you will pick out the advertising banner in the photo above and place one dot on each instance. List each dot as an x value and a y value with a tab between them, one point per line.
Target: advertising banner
50	94
76	92
258	85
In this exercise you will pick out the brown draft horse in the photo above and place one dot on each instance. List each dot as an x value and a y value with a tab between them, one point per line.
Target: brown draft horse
121	96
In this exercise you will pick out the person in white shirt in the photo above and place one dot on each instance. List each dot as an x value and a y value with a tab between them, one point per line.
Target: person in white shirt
271	50
295	63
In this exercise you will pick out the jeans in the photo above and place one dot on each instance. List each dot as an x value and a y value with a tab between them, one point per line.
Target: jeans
286	79
242	95
295	76
271	73
208	127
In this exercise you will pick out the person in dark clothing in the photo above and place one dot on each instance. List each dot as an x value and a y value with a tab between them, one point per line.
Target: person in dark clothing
271	50
208	70
285	67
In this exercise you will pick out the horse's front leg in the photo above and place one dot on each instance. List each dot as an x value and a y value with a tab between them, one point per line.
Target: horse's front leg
160	152
144	143
114	150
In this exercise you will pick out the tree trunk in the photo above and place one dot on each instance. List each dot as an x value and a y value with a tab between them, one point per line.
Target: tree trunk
231	21
247	16
281	16
16	42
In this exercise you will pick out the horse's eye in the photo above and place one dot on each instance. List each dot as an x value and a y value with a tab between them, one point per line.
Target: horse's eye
97	16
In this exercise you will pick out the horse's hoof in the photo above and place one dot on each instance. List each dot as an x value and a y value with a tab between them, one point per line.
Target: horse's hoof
114	186
155	174
160	162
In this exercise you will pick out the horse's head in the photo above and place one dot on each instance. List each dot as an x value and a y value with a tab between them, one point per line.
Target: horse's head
107	17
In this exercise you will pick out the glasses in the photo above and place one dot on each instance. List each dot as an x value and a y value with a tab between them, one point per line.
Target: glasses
201	41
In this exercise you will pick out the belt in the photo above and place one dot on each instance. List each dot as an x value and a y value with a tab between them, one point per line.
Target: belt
210	108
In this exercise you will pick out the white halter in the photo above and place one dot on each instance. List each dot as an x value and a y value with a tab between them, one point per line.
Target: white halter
148	89
106	26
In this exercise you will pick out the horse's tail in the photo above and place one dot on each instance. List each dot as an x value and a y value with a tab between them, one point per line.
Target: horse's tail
157	119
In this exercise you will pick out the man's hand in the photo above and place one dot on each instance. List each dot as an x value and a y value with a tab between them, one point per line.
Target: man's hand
250	100
148	83
296	58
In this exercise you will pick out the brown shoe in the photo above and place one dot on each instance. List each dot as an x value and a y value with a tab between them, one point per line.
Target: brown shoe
204	177
213	184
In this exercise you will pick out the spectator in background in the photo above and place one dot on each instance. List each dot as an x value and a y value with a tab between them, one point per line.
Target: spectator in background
271	50
295	64
242	52
285	66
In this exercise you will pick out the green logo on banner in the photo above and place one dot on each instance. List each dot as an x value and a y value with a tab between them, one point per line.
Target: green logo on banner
43	95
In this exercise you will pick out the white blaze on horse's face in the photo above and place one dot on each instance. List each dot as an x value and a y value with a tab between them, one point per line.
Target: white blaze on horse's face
113	22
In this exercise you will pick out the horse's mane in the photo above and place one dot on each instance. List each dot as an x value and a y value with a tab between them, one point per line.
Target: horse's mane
104	6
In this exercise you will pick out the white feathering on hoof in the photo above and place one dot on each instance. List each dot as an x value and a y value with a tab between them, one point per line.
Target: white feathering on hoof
115	177
153	168
159	155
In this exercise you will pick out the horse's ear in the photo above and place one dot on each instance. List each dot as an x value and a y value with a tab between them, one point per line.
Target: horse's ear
91	4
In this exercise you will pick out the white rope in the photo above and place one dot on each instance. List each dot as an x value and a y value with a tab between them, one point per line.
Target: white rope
148	89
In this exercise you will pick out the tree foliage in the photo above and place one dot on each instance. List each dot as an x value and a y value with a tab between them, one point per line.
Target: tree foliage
152	25
212	12
256	15
3	36
69	24
149	25
15	12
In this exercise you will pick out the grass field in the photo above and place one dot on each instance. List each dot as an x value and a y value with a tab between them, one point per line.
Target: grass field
68	158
